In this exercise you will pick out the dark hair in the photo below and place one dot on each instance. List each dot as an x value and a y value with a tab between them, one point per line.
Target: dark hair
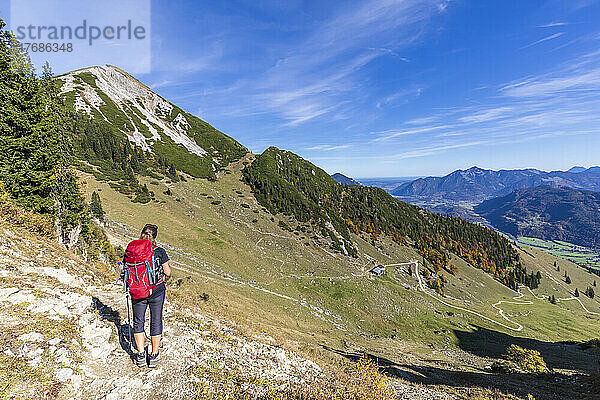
150	232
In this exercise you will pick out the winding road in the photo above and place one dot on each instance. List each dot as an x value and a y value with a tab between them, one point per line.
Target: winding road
518	327
516	300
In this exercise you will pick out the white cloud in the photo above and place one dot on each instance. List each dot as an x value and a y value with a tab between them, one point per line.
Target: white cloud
570	81
487	115
312	78
428	151
421	121
553	24
553	36
324	147
393	133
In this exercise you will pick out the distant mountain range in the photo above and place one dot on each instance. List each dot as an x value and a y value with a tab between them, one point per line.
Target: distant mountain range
548	213
475	184
345	180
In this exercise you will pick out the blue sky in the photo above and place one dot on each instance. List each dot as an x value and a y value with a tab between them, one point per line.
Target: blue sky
390	88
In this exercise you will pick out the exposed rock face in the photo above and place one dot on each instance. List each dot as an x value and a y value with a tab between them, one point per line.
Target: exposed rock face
131	97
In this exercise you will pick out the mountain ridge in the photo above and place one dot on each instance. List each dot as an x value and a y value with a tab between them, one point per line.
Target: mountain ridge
476	184
547	213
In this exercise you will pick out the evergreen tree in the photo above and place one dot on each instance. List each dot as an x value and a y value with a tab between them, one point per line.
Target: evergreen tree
568	280
96	207
33	140
576	292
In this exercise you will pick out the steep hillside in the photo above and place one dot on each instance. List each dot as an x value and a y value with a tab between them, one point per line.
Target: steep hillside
285	183
272	274
475	184
65	335
547	213
126	107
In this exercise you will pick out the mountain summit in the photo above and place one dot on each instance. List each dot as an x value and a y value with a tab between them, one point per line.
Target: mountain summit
112	96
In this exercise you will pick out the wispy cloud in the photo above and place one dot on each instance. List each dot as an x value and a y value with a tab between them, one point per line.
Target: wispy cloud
431	150
318	75
553	36
421	121
544	86
553	24
393	133
401	94
487	115
561	102
163	83
324	147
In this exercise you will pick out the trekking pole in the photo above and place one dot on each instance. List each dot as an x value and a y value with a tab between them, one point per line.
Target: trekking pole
129	321
127	297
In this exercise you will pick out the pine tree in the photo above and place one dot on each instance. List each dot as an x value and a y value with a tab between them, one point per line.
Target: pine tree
96	207
576	292
33	140
568	280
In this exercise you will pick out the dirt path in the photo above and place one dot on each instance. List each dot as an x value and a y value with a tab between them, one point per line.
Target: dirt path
516	300
87	350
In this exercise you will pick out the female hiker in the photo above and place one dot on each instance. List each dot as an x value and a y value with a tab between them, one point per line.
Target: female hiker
155	300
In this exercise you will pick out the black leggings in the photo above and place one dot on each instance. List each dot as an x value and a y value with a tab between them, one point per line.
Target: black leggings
156	310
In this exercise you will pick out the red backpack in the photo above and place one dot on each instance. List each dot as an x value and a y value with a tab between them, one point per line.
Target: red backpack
141	271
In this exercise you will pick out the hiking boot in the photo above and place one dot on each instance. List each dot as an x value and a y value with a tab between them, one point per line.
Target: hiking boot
153	360
140	358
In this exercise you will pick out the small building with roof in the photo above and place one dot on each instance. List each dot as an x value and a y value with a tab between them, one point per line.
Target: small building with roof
378	270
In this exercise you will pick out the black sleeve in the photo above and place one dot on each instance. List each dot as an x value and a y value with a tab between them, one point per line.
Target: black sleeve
162	254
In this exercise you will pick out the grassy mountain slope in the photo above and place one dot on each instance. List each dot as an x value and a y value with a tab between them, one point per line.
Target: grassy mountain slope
548	213
128	108
291	285
284	182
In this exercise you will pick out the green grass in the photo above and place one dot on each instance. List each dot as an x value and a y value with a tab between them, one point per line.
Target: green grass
329	298
585	257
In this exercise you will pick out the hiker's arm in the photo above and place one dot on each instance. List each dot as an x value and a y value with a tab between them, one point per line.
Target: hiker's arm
166	269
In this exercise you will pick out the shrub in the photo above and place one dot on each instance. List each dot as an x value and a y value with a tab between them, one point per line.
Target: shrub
36	223
284	226
529	361
361	382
